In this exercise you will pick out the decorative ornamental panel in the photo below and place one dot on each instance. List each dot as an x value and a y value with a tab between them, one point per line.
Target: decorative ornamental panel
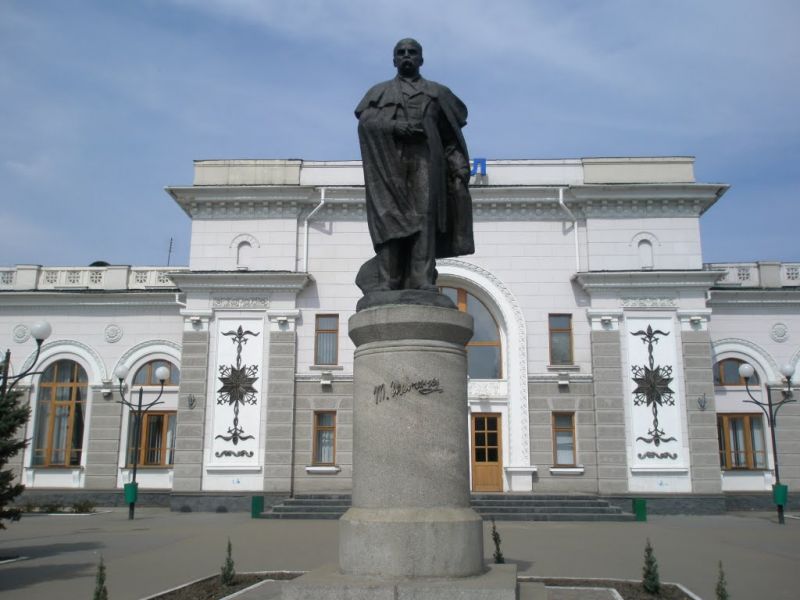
655	400
237	410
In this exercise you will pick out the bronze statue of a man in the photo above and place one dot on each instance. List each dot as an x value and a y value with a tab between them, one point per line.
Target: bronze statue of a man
416	171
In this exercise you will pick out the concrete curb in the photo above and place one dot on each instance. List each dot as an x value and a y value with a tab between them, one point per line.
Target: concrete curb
539	578
241	592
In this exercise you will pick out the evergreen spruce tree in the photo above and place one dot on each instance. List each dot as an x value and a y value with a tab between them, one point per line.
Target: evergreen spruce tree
228	573
650	579
722	585
12	417
498	554
100	591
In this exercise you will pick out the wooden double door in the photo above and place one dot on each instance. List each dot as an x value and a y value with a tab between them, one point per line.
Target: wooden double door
487	452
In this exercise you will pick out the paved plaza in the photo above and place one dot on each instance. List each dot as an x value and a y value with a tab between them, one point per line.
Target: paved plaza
160	549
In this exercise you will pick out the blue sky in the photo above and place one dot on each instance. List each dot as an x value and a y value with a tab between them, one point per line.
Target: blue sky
103	104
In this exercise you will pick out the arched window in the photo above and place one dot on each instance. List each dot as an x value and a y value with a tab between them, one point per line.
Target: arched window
726	372
146	375
484	357
244	255
60	410
646	254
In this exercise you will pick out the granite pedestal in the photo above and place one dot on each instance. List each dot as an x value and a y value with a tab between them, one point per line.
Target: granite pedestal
410	532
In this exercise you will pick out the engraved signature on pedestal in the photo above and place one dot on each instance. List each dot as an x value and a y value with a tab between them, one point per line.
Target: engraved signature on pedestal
400	389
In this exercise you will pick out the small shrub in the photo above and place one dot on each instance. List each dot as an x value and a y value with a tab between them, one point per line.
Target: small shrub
83	506
52	507
650	579
498	554
100	591
722	585
228	573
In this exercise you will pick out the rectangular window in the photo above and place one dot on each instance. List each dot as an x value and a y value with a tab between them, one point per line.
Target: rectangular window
564	439
155	432
560	339
741	442
324	438
326	340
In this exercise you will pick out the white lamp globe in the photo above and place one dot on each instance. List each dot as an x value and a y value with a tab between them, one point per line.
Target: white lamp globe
746	371
41	330
787	370
121	372
162	373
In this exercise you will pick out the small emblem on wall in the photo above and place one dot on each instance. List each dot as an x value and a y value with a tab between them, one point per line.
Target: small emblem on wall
779	332
113	333
21	334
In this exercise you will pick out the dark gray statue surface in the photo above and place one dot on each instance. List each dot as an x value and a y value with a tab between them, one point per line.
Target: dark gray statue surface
416	172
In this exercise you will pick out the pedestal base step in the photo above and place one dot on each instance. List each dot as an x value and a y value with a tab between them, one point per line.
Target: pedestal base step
499	582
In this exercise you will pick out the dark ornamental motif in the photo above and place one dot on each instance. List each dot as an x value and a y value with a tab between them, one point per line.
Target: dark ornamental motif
237	390
398	390
671	455
232	454
652	390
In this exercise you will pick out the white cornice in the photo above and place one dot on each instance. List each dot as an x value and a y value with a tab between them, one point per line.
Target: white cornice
537	202
621	280
158	298
242	280
751	296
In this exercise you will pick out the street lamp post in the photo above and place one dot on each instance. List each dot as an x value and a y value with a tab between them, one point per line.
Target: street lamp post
770	408
137	412
40	331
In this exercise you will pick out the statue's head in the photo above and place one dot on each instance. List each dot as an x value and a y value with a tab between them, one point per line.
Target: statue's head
408	57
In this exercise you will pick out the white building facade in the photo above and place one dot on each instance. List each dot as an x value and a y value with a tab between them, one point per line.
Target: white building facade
605	359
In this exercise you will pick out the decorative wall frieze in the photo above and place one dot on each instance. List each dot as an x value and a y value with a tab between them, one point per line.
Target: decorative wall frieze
240	302
648	302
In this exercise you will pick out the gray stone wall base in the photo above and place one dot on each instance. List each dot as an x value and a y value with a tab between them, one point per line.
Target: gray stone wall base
758	501
100	498
498	582
221	502
712	504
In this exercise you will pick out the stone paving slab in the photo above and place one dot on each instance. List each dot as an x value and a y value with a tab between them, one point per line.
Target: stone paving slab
160	550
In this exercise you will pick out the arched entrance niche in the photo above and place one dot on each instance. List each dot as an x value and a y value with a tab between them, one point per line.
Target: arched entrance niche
508	395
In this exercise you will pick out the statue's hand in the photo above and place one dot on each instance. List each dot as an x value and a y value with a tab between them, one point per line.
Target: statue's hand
409	130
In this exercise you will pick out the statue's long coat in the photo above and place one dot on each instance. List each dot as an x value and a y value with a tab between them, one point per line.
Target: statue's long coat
390	210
